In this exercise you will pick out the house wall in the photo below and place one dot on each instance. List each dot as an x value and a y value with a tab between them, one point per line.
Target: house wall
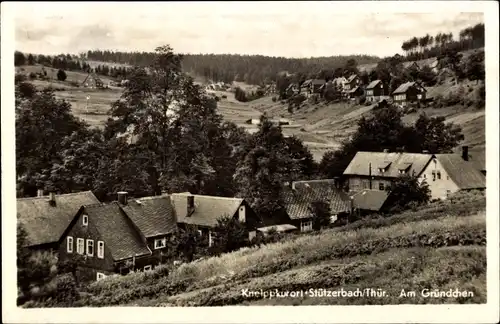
361	182
88	264
440	188
159	255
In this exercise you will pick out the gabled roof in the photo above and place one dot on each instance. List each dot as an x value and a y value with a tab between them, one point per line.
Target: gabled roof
352	78
463	173
298	201
369	199
353	90
326	190
117	231
361	162
207	209
406	86
306	83
478	160
45	223
373	84
152	215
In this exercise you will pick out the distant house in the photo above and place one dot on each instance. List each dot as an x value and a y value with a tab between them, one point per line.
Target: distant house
354	93
409	92
312	86
299	199
203	212
292	89
104	239
45	218
375	91
444	173
352	82
92	81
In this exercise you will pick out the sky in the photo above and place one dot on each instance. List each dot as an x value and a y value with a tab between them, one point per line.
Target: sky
294	29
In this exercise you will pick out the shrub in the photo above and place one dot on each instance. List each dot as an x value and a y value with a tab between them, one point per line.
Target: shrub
61	75
33	75
224	97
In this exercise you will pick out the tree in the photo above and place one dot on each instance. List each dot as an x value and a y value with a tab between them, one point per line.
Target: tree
19	58
321	214
31	59
474	68
42	124
230	235
406	191
188	242
434	135
61	75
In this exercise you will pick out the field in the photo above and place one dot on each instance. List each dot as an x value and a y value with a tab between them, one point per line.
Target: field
439	246
321	127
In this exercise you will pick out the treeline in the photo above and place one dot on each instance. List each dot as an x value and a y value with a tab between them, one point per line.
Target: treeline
68	62
252	69
418	48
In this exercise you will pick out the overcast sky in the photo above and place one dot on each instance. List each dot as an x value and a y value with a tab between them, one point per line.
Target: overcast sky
277	29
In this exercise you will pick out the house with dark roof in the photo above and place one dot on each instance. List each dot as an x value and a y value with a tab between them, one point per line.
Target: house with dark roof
375	91
202	212
302	194
118	237
409	92
444	173
313	86
351	82
45	218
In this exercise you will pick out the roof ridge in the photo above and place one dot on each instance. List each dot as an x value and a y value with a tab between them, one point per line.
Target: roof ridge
151	197
57	195
206	196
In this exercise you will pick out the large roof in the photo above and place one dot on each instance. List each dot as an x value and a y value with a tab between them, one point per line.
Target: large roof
373	84
152	215
463	173
412	163
369	199
405	87
207	209
117	231
298	201
45	223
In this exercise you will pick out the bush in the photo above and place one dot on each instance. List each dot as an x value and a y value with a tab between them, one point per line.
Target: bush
274	98
224	97
33	75
61	75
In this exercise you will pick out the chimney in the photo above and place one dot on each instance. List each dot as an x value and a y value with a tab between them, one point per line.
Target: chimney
190	205
122	197
465	153
39	193
52	199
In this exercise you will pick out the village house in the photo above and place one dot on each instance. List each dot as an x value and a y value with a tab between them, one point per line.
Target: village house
292	89
45	218
376	91
300	196
409	92
351	82
119	237
202	212
354	93
313	86
444	173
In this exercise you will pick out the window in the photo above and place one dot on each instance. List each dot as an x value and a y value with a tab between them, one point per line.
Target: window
69	244
439	175
210	239
448	192
333	219
425	176
433	175
79	246
160	243
85	220
90	247
200	233
381	186
100	249
148	268
100	276
306	226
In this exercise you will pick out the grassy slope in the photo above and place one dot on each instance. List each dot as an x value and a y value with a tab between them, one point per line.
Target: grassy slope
439	246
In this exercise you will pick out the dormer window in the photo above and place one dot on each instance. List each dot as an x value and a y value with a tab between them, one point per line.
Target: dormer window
85	220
